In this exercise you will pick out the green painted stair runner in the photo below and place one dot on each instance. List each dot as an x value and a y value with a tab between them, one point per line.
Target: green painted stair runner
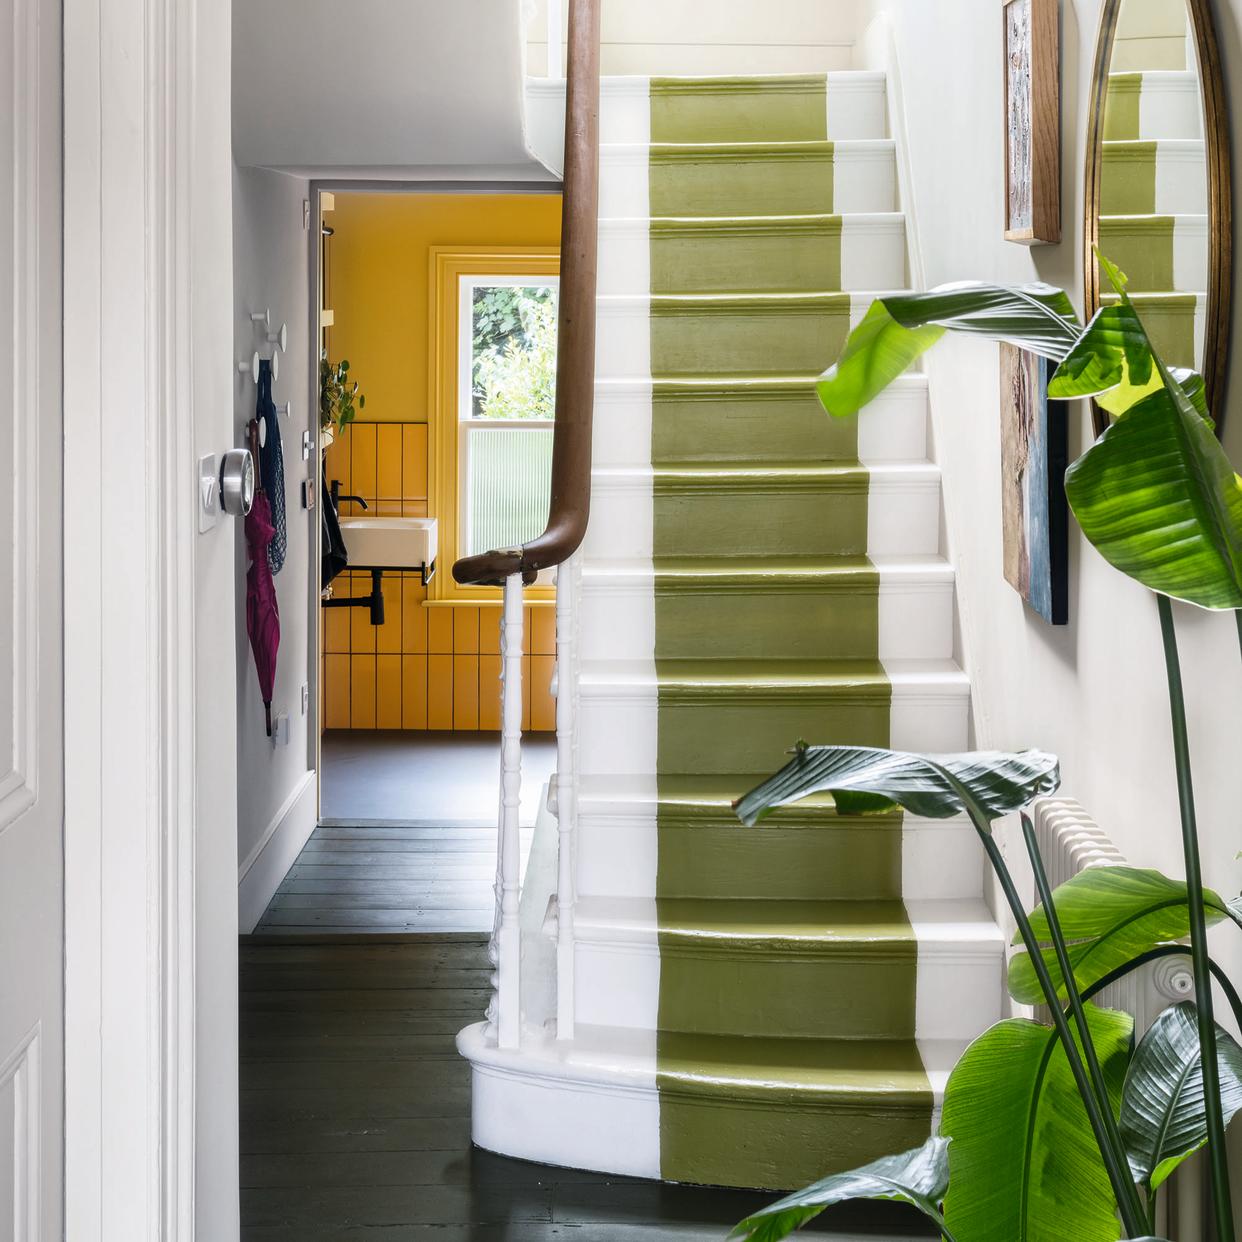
787	961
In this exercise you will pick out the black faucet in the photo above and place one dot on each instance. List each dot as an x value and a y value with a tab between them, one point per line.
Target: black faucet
337	497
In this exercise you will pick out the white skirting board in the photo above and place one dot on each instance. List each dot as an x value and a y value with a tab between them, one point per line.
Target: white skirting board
261	873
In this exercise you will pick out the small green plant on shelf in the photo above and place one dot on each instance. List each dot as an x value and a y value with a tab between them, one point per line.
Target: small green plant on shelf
1062	1130
338	395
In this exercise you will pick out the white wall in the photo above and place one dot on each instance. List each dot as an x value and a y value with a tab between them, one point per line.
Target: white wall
275	784
1093	691
727	36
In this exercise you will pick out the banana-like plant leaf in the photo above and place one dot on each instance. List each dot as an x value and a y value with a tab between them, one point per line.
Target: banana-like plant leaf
1157	496
1024	1165
1162	1115
1111	361
919	1177
866	781
898	329
1235	910
1109	916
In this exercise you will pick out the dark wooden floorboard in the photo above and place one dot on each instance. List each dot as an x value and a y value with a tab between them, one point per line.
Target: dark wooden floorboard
356	1114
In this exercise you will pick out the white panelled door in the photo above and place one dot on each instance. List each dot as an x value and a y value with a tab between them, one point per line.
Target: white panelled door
31	563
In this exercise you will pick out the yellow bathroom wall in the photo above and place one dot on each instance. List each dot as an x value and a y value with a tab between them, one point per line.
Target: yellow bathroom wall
378	277
431	666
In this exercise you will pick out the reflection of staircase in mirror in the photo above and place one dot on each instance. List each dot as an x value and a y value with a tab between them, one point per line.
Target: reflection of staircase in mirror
1153	185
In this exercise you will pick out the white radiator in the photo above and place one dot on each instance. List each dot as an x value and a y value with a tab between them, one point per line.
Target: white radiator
1070	841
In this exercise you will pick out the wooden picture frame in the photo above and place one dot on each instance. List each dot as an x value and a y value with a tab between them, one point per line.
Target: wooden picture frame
1032	49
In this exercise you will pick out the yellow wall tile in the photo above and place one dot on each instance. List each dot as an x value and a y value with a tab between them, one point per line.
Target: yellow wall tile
414	461
414	692
465	631
388	692
542	704
388	636
388	482
361	631
418	508
362	465
489	692
465	692
440	631
413	616
489	631
336	621
362	692
440	691
336	691
543	631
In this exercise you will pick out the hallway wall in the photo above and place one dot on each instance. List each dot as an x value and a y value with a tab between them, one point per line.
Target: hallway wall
275	784
1094	691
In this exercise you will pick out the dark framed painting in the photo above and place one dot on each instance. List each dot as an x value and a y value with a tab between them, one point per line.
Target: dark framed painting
1032	121
1034	512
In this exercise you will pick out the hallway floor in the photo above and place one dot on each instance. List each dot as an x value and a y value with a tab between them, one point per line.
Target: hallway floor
355	1114
416	777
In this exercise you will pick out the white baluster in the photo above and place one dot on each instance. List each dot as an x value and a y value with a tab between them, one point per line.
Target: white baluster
566	799
506	1014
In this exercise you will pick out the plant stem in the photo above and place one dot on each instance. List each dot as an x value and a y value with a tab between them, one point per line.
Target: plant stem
1198	931
1133	1214
1071	986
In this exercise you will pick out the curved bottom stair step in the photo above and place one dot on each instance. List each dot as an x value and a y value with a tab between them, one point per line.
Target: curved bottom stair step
767	1113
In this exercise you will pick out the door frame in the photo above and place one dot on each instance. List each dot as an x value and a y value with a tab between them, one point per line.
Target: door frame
147	360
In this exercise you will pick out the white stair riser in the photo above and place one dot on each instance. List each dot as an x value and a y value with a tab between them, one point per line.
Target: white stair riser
1170	106
903	514
618	856
1181	179
892	428
618	731
958	991
873	254
618	617
864	179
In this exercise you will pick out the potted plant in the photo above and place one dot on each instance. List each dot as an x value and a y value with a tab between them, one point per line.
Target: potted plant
337	395
1062	1129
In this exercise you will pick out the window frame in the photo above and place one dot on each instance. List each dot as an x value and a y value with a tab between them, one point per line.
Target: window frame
450	265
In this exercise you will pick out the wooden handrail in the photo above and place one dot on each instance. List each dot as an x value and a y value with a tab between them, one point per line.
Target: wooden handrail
575	363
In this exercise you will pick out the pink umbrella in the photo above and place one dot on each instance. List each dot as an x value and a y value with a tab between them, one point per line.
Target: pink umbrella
262	610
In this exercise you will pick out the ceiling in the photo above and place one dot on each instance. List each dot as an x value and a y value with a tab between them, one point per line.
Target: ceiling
386	89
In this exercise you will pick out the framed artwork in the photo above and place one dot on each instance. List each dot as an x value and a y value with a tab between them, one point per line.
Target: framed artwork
1034	512
1032	121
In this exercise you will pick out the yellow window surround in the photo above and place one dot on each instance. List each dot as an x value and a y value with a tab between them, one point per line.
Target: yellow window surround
449	264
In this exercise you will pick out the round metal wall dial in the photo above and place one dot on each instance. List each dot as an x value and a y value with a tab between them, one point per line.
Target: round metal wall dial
237	482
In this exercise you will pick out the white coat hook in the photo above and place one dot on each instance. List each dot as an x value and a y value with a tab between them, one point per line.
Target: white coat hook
250	367
285	410
280	338
275	364
263	318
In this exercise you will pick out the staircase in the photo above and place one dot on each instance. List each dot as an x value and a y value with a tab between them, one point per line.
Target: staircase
752	1007
1153	205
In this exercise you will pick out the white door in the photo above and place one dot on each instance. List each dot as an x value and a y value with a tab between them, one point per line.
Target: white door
31	563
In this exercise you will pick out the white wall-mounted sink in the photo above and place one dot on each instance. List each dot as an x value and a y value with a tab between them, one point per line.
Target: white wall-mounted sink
389	542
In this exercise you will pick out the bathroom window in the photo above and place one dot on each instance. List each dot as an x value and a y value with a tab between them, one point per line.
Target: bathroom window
506	406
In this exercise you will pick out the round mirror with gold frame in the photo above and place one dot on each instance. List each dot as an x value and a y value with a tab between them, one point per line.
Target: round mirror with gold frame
1158	201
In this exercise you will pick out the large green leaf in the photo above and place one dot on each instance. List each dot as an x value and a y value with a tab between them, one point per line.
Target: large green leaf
919	1177
864	780
1109	916
1157	496
1111	361
1024	1165
898	329
1162	1113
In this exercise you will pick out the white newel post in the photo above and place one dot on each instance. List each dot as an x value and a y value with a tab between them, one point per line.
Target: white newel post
566	797
505	1012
